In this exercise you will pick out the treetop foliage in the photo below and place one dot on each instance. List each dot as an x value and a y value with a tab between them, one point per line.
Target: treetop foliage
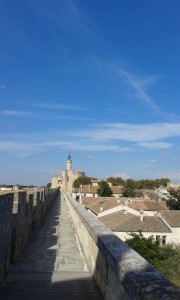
104	189
146	247
115	181
81	180
131	186
166	258
174	200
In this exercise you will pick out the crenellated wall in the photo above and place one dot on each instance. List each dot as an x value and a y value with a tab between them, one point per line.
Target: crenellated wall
20	214
119	271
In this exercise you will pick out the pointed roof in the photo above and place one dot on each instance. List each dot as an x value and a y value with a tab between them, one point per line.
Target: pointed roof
69	157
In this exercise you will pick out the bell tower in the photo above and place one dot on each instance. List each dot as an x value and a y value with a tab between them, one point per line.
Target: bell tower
69	163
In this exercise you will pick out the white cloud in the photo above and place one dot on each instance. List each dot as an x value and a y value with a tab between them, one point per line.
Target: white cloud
130	132
25	148
52	106
152	161
16	113
91	156
106	137
58	106
3	86
155	145
139	86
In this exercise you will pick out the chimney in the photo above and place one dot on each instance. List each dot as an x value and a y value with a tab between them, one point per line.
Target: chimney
125	210
141	215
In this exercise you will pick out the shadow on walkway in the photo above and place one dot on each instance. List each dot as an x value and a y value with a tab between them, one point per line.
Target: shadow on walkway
51	265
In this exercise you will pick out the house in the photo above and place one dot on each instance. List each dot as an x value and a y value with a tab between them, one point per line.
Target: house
125	216
172	219
123	224
90	190
101	206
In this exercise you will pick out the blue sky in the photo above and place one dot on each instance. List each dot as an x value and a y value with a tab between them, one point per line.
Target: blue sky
98	79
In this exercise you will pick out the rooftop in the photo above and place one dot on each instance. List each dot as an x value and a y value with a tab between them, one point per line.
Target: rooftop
172	217
119	221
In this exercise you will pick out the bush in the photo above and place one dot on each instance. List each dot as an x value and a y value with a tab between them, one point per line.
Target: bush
147	248
166	259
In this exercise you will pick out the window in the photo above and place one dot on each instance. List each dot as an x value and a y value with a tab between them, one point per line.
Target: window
158	239
164	240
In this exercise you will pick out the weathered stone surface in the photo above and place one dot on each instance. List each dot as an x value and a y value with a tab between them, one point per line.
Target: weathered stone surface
20	213
51	265
120	272
6	220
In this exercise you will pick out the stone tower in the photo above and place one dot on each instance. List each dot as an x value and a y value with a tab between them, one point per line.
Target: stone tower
69	163
66	178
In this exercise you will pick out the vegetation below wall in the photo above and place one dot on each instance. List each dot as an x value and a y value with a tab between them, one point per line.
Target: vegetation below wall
166	259
174	200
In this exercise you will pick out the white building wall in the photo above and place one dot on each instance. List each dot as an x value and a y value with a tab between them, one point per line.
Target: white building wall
175	235
169	237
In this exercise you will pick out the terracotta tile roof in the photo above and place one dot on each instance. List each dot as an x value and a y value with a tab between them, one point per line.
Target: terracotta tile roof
148	205
95	203
116	189
121	222
88	202
108	204
172	217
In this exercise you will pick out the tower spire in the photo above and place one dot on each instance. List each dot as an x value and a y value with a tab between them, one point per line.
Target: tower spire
69	162
69	157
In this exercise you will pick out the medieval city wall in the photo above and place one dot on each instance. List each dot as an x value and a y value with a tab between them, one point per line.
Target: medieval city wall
20	214
118	270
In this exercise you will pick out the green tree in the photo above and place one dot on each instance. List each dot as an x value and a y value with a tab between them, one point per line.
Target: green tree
129	188
104	189
48	185
166	259
174	199
115	181
81	180
147	248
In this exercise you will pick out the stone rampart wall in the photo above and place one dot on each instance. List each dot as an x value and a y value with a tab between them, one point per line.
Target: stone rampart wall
20	214
119	271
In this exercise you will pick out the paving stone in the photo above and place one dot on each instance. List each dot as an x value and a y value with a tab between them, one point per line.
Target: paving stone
51	265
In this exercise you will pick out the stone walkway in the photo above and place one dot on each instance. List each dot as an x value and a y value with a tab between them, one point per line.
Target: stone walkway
51	265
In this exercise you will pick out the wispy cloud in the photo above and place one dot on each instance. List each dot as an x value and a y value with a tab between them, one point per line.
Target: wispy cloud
152	161
114	137
64	15
16	113
52	106
152	145
3	86
139	87
22	149
91	156
130	132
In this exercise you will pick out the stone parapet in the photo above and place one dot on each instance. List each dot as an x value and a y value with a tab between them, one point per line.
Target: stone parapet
6	220
119	271
20	214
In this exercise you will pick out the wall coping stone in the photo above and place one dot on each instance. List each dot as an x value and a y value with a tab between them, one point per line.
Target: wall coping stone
138	277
